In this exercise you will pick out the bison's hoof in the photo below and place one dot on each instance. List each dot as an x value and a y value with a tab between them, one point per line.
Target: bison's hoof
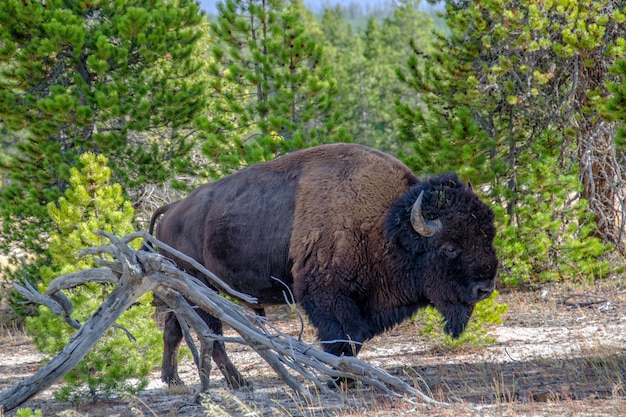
246	392
341	382
240	384
173	382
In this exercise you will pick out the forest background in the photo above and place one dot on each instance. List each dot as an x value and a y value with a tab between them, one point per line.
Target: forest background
526	100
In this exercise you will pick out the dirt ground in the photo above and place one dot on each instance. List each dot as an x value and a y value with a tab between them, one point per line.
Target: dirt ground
560	352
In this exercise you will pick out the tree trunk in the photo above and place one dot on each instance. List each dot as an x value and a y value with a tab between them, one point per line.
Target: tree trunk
600	176
600	173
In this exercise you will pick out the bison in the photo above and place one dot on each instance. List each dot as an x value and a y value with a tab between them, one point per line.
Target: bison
360	241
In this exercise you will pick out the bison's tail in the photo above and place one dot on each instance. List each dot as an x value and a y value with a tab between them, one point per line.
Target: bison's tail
155	216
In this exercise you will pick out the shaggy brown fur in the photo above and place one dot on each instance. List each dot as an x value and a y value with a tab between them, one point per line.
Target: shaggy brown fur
333	224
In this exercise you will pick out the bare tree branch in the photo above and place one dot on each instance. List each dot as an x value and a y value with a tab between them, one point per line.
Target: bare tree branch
214	278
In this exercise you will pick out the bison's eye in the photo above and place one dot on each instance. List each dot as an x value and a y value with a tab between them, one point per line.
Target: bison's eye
450	251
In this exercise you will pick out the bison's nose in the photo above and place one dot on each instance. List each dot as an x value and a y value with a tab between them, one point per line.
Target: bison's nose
483	289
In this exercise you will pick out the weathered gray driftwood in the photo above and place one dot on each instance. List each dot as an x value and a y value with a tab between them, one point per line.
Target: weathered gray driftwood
136	272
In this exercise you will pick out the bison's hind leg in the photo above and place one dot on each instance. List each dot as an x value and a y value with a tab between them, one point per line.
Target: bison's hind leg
172	336
341	382
233	378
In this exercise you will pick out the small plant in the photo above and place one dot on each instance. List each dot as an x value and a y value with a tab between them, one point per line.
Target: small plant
28	412
131	348
487	312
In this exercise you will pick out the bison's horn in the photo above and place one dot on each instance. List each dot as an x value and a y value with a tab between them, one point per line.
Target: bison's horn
424	227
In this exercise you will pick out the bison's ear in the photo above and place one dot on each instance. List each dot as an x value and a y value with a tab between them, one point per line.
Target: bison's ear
469	185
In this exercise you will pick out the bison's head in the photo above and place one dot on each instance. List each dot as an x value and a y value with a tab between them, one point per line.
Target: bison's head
445	234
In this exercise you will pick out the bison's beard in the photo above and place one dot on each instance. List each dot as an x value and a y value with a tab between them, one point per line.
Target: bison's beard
456	317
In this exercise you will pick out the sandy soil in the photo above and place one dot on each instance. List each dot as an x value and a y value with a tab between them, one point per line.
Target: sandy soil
559	352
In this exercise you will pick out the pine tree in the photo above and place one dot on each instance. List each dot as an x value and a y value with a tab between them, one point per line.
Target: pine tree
274	90
385	47
114	78
345	50
365	65
503	102
128	351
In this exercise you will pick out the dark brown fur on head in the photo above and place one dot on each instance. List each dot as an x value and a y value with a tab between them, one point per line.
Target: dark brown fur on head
457	265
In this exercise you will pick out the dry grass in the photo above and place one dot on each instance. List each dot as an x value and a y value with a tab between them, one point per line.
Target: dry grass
551	359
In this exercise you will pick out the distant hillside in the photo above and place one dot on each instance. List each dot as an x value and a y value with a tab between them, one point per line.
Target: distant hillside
356	13
363	6
366	7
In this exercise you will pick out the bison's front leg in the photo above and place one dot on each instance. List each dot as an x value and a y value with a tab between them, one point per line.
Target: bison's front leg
339	324
338	321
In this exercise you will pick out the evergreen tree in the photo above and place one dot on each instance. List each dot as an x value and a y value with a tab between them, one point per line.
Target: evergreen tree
273	89
108	77
128	351
378	78
344	50
504	102
365	66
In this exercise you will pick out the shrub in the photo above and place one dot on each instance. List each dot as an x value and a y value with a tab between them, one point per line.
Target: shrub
487	312
551	235
128	350
28	412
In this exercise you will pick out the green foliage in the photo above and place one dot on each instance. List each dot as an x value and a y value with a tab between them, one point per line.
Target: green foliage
501	103
487	312
131	348
550	237
273	90
116	78
615	107
365	67
107	76
28	412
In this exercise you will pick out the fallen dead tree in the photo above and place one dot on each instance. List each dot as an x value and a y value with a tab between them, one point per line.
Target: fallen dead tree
136	272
